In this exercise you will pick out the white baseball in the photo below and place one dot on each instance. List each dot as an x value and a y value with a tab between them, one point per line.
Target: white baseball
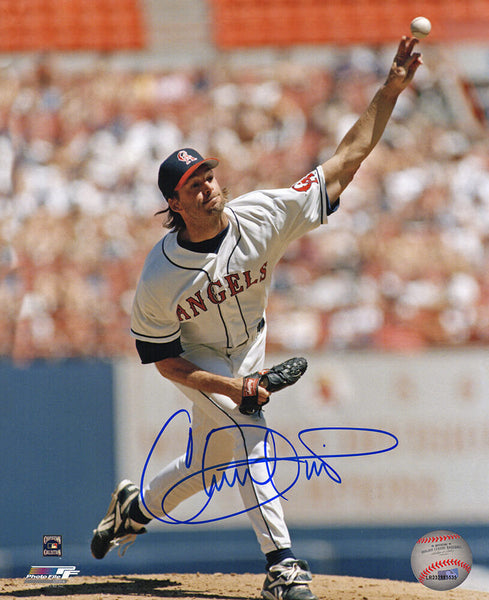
420	27
441	560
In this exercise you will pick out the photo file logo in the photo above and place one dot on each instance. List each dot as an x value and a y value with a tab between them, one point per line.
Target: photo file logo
51	574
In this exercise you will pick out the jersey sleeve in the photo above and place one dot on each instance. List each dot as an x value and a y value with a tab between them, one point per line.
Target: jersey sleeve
313	196
290	212
151	321
302	207
305	205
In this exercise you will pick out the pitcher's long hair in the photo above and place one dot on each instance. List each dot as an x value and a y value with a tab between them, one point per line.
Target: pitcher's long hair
173	221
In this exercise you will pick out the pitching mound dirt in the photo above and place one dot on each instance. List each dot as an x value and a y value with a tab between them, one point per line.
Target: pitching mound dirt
219	586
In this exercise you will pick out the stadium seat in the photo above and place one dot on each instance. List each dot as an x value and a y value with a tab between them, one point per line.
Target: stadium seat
77	24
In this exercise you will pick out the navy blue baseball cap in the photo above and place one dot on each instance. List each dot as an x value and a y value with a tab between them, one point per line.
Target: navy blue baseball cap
178	167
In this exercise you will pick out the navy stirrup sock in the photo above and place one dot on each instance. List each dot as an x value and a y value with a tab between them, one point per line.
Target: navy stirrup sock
135	513
277	556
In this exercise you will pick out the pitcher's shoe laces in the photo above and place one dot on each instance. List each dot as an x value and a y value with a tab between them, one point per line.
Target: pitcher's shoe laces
288	581
116	528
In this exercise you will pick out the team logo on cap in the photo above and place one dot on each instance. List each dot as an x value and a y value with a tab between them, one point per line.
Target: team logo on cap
185	157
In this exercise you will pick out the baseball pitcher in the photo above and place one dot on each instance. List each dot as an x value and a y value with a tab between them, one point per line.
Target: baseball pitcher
199	316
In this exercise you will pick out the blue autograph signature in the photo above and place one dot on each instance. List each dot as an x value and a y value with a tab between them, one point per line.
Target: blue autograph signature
237	472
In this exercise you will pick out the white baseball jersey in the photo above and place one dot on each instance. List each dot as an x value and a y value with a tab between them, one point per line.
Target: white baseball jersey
212	305
218	299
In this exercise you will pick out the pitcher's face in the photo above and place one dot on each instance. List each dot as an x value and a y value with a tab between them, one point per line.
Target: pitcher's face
201	196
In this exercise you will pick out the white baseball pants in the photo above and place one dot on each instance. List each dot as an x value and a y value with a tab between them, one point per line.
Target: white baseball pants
236	442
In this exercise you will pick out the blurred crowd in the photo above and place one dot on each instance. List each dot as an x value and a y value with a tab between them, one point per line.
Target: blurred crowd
403	264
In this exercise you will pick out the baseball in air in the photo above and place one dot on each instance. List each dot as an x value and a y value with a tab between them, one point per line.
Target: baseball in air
441	560
420	27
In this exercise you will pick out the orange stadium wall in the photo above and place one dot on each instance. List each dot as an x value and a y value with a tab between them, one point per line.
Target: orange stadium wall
36	25
111	25
248	23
